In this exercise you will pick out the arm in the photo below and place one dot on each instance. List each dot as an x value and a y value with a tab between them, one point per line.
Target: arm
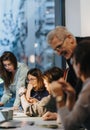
59	89
79	114
24	103
28	93
39	108
20	81
50	116
70	94
75	118
6	96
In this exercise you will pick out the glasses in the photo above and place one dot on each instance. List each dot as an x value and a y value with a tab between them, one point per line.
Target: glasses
59	47
29	80
7	65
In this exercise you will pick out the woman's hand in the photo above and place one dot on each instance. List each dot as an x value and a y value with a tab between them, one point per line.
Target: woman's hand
15	108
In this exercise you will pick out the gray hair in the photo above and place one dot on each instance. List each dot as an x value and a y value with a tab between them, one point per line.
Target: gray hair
60	32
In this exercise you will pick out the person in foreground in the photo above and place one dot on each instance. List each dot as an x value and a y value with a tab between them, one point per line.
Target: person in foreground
80	113
13	74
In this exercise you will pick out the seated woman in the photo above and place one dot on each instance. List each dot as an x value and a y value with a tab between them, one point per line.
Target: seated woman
47	103
54	82
50	76
13	74
35	86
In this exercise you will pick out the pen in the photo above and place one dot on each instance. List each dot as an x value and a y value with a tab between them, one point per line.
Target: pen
7	127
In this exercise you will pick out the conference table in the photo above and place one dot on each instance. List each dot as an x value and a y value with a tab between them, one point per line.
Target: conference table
21	121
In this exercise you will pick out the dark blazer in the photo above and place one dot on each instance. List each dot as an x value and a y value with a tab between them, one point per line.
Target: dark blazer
71	78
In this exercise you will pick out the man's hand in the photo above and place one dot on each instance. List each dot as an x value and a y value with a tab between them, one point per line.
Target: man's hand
56	89
61	87
50	116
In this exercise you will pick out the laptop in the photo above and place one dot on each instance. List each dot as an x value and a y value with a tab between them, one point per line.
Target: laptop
2	118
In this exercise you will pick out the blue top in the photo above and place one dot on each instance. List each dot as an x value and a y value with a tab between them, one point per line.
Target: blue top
19	81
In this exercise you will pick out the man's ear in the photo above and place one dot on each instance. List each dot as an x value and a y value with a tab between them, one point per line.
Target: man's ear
71	39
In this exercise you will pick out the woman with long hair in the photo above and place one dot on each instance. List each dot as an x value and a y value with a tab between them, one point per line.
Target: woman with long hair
13	74
35	85
47	103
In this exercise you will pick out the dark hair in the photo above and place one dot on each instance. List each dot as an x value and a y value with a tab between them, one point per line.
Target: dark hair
38	74
53	74
5	75
82	55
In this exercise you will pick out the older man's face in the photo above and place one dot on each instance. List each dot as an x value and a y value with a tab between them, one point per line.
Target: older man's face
64	48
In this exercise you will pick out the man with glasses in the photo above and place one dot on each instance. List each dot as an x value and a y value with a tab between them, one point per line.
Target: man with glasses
63	42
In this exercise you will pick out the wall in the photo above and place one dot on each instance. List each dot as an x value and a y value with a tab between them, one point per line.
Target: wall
78	17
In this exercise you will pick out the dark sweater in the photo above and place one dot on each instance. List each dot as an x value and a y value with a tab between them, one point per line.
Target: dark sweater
39	94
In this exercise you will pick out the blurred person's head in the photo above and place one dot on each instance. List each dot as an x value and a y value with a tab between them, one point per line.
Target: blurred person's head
62	41
35	78
80	60
50	75
8	66
8	61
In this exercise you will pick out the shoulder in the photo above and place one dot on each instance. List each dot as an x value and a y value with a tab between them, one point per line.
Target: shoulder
86	85
84	95
79	39
19	64
22	66
22	69
45	100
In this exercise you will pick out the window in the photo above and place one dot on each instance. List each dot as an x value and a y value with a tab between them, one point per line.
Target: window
24	26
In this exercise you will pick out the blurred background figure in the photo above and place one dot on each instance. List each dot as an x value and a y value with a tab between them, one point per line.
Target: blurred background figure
13	74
